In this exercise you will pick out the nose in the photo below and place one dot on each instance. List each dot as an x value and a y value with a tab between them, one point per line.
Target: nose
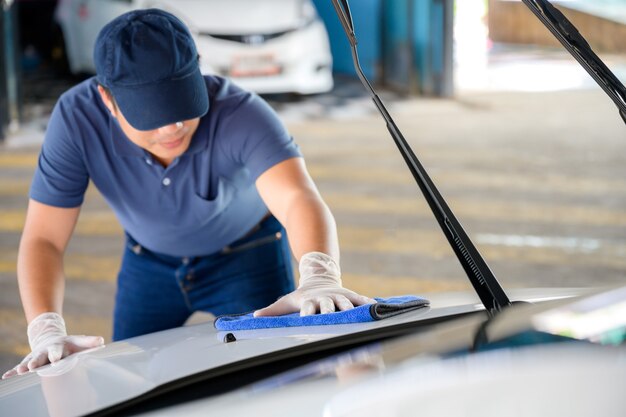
171	128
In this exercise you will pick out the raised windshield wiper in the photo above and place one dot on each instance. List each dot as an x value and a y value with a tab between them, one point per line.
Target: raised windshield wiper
577	45
483	280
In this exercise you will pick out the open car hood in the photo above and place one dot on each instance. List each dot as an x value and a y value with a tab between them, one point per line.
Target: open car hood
532	360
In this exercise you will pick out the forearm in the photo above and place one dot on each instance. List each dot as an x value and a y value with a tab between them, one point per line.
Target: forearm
311	230
40	277
291	196
311	226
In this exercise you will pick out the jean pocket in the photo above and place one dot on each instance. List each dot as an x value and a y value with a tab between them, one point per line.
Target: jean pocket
252	244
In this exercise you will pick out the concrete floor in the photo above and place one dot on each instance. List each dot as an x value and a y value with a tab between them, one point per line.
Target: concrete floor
537	179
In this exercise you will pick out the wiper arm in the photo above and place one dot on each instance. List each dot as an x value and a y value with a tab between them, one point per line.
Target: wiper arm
577	45
483	280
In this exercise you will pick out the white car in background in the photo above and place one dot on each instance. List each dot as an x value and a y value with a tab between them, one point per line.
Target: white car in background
266	46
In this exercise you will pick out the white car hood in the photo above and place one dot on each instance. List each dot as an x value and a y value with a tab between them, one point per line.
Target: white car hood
230	17
89	381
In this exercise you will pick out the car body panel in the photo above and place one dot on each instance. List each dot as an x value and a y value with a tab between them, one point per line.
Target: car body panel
410	376
491	383
124	370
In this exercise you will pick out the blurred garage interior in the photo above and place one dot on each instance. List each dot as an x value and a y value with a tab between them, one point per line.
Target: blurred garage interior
521	141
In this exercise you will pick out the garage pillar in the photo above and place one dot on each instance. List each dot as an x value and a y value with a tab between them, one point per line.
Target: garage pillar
417	45
9	68
404	44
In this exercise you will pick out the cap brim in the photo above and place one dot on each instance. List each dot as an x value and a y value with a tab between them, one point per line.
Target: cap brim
149	107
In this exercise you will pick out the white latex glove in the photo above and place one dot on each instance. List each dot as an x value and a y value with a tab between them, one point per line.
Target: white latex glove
49	343
319	290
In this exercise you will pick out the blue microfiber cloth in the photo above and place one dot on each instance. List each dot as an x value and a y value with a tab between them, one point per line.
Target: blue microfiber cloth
384	308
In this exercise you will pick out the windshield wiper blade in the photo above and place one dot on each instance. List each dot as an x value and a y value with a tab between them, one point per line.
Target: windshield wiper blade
483	280
577	45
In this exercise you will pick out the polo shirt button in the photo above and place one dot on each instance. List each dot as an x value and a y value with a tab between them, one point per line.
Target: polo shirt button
166	181
148	161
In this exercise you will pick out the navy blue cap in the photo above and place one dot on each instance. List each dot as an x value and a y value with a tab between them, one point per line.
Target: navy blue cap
148	60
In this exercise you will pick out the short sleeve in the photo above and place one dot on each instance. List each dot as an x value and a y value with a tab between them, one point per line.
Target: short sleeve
257	138
61	177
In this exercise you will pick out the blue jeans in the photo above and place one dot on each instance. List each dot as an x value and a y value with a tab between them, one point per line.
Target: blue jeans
157	292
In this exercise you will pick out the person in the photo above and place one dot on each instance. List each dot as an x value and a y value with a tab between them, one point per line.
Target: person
205	181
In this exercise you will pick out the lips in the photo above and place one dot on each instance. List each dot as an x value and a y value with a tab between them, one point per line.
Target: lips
173	144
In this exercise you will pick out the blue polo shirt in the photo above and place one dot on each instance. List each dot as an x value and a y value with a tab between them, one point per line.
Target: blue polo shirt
204	200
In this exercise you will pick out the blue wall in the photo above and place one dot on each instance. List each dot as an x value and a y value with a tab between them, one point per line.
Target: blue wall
397	47
411	39
432	39
366	16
